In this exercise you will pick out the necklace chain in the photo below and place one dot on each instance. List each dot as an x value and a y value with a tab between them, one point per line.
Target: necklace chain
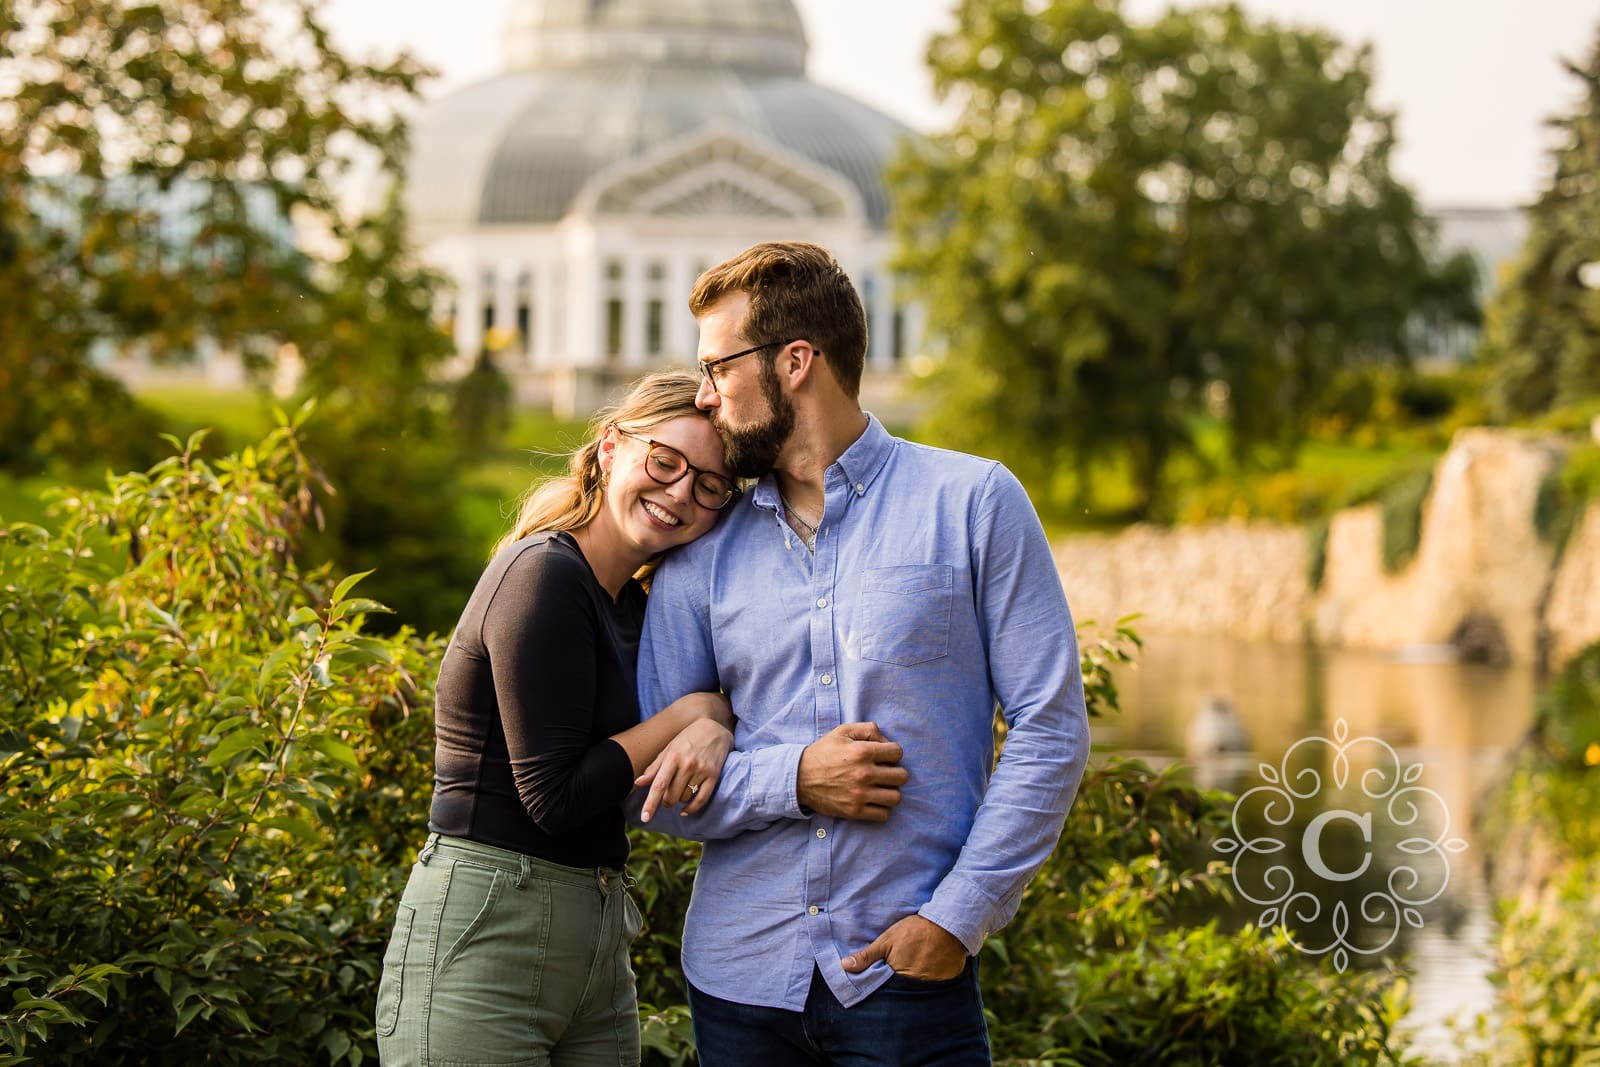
793	512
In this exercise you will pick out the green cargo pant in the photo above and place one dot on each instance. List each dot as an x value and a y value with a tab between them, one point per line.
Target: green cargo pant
500	958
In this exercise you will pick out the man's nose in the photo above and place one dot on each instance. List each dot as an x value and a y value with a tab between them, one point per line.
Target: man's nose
706	398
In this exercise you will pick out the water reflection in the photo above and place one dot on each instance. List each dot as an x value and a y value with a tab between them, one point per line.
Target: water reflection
1456	723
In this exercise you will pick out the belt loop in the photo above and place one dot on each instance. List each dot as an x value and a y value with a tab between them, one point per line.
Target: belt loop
524	872
427	849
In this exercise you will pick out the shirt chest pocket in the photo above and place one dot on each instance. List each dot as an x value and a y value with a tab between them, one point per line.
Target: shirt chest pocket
905	613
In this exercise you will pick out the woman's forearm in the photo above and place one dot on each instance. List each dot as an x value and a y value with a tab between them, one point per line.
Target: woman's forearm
644	742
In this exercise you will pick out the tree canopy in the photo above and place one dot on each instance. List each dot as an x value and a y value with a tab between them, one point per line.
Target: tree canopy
163	162
1131	224
178	178
1542	334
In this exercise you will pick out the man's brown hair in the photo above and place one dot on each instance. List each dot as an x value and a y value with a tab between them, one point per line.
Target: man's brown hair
797	291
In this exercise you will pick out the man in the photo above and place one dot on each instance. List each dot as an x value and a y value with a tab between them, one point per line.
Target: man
864	607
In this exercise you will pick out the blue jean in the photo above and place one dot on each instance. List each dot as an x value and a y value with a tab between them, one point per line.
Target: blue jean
500	958
905	1023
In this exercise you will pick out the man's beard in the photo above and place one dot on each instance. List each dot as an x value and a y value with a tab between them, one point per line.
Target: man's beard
752	451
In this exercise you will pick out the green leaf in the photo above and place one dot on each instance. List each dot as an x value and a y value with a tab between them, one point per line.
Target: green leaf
334	749
251	739
346	585
299	828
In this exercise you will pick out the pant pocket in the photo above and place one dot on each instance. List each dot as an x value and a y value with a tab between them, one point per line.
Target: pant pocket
394	968
469	903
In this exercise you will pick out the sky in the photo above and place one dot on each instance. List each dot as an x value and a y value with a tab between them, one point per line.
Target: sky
1471	81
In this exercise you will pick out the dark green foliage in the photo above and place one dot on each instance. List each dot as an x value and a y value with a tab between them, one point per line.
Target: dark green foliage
1565	494
1542	337
480	406
214	780
1133	224
154	154
1401	504
199	137
1316	552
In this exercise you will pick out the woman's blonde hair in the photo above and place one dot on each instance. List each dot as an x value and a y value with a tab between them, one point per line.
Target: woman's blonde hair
571	501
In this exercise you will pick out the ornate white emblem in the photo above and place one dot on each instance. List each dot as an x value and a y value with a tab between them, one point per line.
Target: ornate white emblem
1390	806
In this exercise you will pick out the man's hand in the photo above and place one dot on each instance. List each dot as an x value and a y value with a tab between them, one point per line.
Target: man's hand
915	948
851	772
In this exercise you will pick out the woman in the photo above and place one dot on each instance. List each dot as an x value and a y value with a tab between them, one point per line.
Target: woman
511	940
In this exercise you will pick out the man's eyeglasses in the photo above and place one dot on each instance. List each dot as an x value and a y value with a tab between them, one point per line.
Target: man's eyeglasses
706	365
667	466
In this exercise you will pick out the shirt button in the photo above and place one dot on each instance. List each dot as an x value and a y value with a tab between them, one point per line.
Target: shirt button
813	910
821	833
827	679
822	601
860	488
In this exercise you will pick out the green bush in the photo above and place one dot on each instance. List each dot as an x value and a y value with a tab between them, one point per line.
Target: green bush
214	780
1105	963
1541	820
1548	972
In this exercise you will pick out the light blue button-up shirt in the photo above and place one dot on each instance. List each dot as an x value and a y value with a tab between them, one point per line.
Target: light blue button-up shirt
932	596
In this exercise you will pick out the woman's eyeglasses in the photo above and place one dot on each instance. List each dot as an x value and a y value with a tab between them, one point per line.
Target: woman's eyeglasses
667	466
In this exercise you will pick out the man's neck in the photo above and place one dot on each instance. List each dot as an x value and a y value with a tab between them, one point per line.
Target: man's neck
820	437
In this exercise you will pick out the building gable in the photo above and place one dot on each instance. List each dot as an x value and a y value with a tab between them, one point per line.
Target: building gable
721	172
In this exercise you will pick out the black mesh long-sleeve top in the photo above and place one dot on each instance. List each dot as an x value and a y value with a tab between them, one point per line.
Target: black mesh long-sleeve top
539	675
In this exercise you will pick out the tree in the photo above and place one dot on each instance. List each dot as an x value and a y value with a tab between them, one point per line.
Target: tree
174	172
1128	221
1541	341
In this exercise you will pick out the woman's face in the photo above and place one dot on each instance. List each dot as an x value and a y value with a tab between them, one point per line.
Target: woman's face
649	517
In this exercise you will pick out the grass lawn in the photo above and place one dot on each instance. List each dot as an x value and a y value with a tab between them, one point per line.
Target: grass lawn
19	499
1327	474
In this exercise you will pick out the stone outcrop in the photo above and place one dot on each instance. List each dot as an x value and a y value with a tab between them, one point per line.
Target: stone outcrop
1245	580
1572	617
1481	585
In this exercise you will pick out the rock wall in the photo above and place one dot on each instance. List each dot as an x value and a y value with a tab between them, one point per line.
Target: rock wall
1246	580
1482	583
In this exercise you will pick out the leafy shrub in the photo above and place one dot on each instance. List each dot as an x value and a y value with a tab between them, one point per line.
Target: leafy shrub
211	773
1105	965
1548	972
1541	820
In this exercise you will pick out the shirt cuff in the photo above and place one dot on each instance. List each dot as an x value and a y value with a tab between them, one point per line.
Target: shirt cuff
774	773
962	909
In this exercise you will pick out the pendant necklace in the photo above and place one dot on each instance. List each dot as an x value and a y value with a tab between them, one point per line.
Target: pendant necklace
809	538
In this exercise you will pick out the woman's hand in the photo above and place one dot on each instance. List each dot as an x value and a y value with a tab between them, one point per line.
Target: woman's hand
687	770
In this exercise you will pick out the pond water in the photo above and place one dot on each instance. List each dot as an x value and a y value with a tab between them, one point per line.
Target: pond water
1415	741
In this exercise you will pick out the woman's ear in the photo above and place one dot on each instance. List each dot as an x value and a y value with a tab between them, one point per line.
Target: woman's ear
606	454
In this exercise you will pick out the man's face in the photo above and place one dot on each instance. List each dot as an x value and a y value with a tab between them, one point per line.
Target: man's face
744	396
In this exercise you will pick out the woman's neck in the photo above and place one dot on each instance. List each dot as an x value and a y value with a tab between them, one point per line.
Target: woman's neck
612	566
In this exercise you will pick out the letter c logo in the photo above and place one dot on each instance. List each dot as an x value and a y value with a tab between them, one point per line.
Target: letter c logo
1312	842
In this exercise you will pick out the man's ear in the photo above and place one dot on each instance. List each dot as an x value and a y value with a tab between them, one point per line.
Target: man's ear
797	364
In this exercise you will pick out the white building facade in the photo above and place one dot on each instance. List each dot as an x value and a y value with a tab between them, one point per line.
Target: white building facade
628	145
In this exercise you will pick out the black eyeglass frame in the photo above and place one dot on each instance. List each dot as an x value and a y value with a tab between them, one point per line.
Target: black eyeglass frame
707	364
651	444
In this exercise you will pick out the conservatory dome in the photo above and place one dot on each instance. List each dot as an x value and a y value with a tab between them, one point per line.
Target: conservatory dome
595	90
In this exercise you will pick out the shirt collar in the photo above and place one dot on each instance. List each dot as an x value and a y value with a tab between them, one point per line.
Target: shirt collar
858	468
